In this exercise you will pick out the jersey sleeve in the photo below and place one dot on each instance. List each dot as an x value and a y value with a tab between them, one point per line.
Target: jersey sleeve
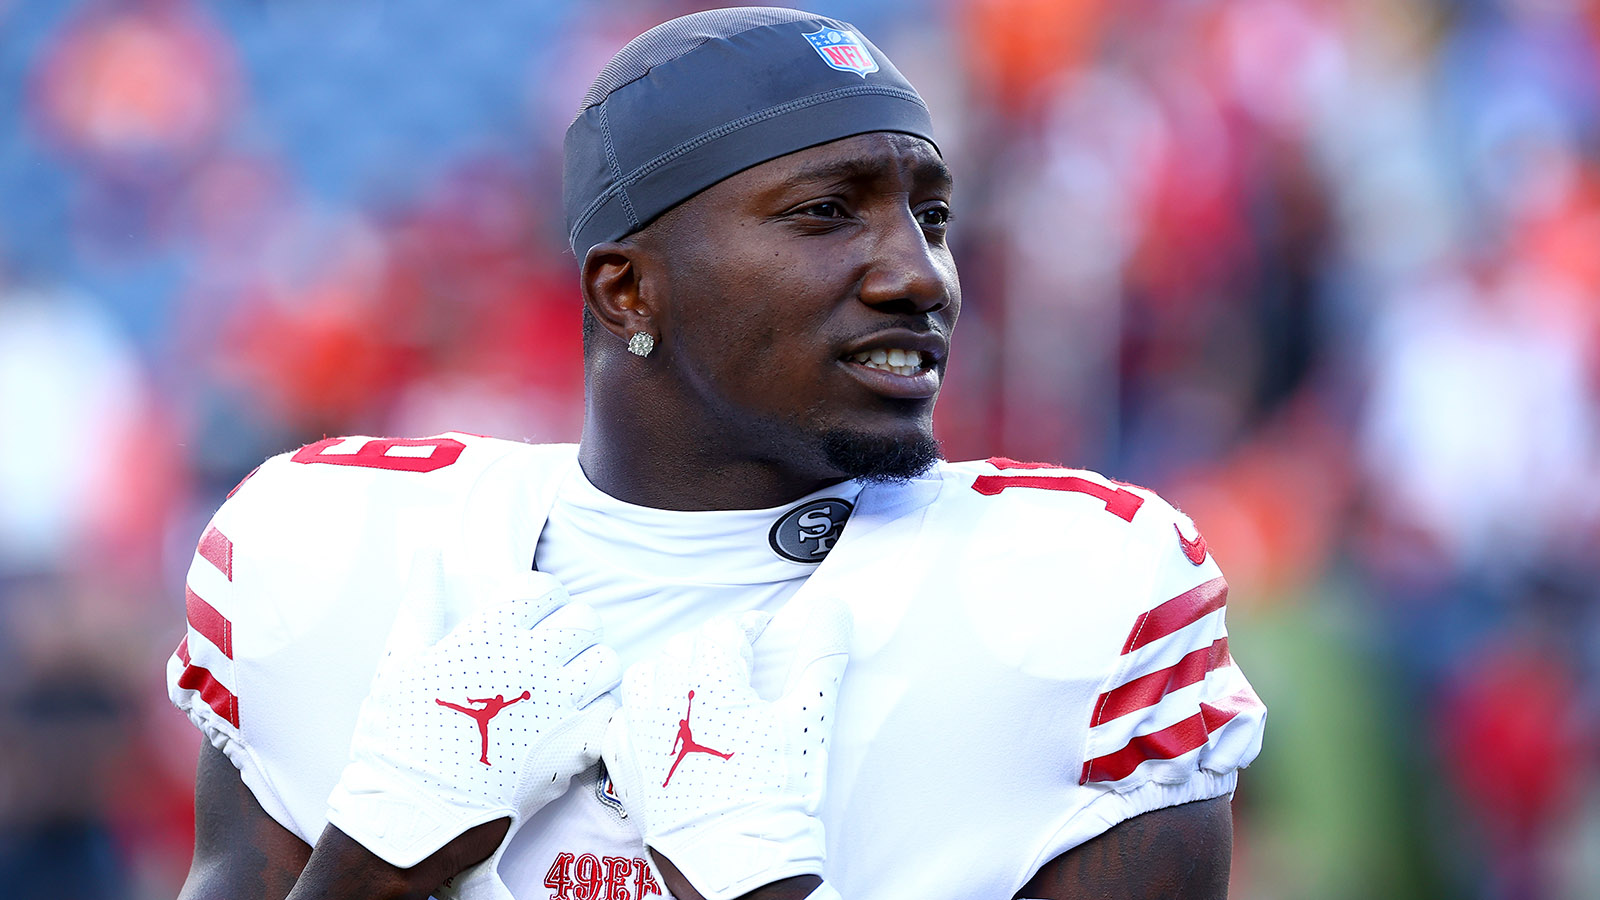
204	673
294	588
1174	718
1052	653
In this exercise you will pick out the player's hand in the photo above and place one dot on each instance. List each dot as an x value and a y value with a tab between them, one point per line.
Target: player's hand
725	781
490	721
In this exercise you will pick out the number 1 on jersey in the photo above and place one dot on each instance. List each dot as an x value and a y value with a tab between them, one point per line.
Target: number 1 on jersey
1120	502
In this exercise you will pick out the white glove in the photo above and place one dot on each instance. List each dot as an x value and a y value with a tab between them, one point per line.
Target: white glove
490	721
724	783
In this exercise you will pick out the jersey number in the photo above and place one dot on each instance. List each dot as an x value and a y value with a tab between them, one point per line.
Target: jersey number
1120	502
384	453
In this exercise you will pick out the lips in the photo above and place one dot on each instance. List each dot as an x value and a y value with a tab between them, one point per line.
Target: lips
900	364
895	360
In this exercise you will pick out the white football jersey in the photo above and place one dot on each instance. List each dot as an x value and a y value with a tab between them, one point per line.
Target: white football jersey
1039	653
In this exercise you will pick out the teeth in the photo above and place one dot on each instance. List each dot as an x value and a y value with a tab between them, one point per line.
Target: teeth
900	362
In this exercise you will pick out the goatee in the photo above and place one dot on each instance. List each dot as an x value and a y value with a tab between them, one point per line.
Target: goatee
879	458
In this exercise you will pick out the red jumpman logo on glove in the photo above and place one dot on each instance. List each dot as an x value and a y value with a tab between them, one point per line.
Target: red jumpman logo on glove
491	708
686	741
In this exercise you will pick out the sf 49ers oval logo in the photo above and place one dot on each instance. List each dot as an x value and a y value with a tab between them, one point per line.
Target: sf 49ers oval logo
806	533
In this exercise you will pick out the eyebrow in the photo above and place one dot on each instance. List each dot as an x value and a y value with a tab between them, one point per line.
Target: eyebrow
841	171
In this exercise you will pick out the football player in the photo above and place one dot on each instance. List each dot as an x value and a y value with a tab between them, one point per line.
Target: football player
1036	700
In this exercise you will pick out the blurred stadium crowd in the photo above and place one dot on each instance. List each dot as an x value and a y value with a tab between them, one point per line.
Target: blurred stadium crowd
1326	273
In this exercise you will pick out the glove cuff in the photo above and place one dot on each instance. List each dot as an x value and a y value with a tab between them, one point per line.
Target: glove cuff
397	823
824	891
746	851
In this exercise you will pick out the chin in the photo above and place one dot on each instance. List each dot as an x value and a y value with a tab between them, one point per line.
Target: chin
880	457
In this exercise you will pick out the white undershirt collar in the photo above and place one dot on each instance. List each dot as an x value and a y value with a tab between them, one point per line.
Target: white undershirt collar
675	545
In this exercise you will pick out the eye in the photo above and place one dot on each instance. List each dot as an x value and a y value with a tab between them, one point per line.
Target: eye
934	217
827	209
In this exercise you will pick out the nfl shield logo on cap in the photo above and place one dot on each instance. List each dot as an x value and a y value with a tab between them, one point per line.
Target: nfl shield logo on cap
843	50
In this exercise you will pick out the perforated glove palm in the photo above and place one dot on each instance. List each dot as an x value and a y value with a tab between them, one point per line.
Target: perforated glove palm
490	721
726	784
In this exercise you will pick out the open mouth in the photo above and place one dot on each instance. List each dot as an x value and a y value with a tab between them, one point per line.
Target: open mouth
895	361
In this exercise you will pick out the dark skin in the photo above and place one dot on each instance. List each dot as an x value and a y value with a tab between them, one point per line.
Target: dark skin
756	290
242	853
1177	853
759	291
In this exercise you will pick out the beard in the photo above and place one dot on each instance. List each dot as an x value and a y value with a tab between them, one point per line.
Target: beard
877	458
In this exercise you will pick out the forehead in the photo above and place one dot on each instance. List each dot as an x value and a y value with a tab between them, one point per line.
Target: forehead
888	161
880	156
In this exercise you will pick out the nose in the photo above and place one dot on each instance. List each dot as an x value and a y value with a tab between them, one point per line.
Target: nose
905	274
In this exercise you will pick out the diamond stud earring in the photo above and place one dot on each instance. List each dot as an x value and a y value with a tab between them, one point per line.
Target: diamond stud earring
641	343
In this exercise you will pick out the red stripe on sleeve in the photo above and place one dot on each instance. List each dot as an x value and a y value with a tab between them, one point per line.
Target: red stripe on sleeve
217	550
211	624
1170	742
1219	713
1147	690
219	698
183	650
1185	609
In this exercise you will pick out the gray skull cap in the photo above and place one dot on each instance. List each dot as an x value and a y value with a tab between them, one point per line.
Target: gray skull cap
704	96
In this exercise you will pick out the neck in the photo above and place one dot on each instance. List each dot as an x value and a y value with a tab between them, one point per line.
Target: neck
663	476
631	454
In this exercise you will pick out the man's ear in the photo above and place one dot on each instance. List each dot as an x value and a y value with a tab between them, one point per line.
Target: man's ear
616	289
